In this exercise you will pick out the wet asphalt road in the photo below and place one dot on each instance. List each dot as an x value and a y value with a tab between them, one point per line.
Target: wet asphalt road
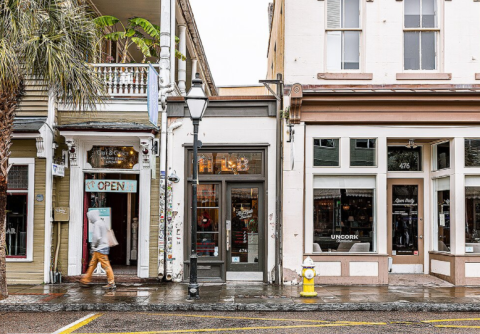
241	322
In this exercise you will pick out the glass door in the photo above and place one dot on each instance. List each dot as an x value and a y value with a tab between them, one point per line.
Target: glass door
405	221
245	227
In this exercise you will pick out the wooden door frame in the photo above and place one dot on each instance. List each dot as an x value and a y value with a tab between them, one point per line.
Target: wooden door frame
407	259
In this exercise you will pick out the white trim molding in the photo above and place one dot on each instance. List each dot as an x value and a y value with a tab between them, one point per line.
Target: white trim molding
30	162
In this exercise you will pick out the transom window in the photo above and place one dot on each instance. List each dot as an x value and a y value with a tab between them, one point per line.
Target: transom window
343	35
420	35
326	153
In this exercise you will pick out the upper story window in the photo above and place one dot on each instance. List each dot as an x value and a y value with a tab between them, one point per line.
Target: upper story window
326	153
420	35
343	35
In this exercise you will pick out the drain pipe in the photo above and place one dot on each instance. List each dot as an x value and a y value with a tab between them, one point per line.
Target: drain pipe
166	86
168	205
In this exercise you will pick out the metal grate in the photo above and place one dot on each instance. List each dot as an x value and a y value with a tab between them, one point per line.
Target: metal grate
18	177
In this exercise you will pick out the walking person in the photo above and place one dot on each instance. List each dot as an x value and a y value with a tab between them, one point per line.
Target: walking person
100	249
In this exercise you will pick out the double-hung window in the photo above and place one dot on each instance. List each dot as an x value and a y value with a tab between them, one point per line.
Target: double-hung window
343	35
421	35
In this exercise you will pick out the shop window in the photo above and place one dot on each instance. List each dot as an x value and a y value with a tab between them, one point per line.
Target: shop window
420	35
472	152
17	196
208	216
472	214
363	152
404	159
343	220
441	156
326	153
235	163
443	215
343	35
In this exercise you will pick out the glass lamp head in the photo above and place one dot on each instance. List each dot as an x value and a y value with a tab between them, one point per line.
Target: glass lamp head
196	99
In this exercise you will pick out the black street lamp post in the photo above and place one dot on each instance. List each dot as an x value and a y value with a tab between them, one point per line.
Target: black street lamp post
197	103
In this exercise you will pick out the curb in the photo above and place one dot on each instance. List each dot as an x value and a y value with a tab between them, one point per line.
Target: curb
234	307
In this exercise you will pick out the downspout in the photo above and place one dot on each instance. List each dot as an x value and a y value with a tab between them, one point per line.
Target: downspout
278	184
49	152
168	211
166	87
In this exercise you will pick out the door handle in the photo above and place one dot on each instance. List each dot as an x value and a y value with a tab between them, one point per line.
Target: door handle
421	236
228	227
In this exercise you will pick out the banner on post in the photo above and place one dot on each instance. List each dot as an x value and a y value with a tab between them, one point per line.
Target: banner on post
152	95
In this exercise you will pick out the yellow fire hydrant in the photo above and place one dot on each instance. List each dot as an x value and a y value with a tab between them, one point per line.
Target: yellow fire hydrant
308	274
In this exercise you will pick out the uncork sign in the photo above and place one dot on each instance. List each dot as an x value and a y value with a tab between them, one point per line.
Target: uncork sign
111	186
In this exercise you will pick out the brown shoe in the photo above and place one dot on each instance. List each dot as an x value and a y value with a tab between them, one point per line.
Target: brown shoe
109	287
84	285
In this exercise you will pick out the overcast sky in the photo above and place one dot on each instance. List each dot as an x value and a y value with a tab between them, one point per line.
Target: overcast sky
235	37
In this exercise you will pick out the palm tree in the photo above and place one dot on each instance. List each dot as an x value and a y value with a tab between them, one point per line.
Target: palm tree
50	40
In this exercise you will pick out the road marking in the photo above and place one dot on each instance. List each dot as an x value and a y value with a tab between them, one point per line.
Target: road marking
78	324
239	318
201	330
455	326
447	320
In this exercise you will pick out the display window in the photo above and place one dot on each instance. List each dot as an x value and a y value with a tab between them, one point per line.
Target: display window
343	220
472	220
442	214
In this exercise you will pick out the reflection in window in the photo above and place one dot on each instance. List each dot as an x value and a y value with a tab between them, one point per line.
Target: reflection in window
443	220
325	152
472	152
235	163
405	219
207	219
343	37
404	159
472	214
343	220
363	152
16	236
441	156
420	45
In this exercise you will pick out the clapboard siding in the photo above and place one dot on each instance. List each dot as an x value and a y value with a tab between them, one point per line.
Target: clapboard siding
31	272
154	220
61	198
68	117
35	100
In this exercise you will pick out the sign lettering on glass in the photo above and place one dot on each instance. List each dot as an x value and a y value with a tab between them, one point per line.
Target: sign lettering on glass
119	157
111	186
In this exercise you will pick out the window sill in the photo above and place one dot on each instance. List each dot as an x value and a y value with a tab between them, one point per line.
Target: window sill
345	76
424	76
23	260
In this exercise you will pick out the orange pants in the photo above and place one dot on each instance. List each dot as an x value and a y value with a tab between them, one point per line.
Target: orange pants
103	259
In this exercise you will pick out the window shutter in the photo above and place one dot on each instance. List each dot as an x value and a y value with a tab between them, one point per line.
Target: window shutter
333	14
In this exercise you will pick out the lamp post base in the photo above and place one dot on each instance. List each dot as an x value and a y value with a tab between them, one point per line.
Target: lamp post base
193	292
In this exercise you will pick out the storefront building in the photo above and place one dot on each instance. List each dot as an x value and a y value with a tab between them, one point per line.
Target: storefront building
400	184
236	191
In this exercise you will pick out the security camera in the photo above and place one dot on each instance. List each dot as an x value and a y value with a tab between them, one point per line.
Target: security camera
174	178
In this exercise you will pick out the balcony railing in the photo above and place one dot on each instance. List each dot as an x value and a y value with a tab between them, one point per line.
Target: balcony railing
125	80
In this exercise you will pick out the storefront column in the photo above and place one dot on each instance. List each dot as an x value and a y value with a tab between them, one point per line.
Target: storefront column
457	198
144	209
75	230
381	196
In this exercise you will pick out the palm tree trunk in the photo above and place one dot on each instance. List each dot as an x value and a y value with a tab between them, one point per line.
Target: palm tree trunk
8	105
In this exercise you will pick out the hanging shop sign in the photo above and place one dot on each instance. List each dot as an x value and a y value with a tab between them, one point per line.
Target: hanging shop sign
111	186
58	170
118	157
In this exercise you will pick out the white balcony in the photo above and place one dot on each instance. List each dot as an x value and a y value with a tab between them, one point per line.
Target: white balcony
124	80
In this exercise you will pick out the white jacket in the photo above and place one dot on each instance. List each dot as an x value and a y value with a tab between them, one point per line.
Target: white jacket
99	236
